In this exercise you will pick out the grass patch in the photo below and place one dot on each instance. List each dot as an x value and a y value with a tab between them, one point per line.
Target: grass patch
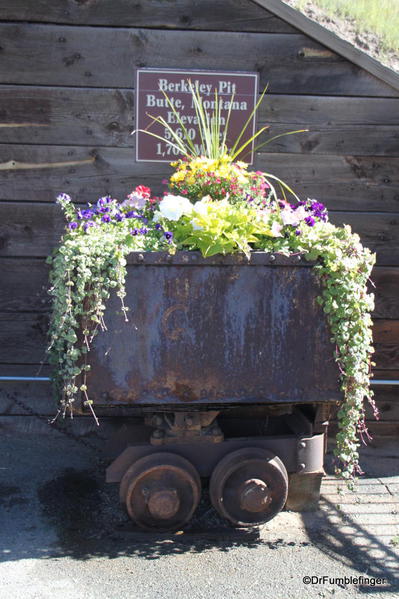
380	17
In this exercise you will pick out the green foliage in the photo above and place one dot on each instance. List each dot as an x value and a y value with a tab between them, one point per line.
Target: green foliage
220	228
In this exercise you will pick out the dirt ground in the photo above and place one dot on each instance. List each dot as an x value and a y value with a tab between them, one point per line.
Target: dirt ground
346	29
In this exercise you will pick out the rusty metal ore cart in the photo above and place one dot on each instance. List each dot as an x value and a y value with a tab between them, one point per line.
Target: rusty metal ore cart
229	365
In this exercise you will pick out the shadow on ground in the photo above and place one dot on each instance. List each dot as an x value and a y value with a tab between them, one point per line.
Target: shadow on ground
90	522
72	512
359	549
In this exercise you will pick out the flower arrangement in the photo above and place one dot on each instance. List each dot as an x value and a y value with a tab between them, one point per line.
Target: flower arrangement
214	205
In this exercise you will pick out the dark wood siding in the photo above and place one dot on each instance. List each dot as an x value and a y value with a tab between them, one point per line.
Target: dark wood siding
67	110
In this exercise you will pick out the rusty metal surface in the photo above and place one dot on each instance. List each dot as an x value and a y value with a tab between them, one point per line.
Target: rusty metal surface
215	331
304	491
205	456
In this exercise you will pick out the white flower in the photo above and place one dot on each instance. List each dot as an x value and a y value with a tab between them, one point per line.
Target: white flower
173	207
264	215
276	229
201	207
135	200
349	263
301	213
289	217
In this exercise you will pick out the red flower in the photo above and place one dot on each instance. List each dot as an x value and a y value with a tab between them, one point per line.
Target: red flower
144	191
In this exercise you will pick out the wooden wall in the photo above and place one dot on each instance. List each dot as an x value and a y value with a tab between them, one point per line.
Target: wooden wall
67	109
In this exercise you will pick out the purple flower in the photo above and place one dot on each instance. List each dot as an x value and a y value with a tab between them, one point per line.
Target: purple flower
119	216
106	218
144	231
104	201
168	236
63	197
72	226
132	214
89	224
310	221
158	227
134	232
319	210
85	214
297	232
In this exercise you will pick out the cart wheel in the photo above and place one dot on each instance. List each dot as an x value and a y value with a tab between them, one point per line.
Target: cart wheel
161	491
249	486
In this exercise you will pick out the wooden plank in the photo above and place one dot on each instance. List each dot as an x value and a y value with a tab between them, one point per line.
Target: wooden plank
367	140
386	292
331	40
181	14
25	283
40	172
21	397
34	230
388	406
386	375
386	343
341	182
67	115
329	110
376	428
81	116
80	426
378	232
23	340
106	57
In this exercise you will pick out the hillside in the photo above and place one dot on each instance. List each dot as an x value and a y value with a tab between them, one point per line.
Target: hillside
375	34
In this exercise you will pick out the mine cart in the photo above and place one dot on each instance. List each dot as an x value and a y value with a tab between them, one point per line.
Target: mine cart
229	367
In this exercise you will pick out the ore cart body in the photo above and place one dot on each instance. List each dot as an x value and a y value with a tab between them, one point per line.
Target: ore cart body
229	364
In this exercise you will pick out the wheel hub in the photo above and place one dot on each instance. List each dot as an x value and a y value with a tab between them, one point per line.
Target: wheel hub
161	491
163	504
254	495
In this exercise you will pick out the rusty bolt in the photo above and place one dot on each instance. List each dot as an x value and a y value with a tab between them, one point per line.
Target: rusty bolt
302	444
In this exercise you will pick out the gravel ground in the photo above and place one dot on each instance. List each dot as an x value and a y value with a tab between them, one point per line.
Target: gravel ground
64	534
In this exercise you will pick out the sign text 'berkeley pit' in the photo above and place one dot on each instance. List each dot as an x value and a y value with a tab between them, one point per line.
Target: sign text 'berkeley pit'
236	92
